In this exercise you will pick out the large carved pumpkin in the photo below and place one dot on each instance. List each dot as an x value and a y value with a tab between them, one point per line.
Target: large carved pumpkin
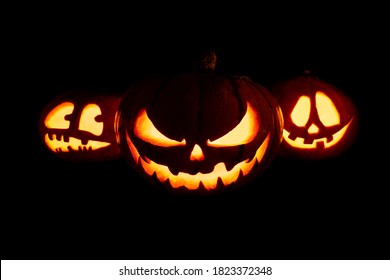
79	125
320	120
199	130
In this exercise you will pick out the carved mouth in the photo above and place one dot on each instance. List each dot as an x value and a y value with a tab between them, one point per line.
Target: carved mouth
299	141
58	144
193	182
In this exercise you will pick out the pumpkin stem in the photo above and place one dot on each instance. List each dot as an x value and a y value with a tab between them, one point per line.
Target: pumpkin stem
206	62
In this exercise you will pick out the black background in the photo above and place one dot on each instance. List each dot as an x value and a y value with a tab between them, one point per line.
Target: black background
330	209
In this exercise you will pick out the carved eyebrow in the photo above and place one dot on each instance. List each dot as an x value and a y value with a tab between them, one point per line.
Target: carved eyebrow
145	130
243	133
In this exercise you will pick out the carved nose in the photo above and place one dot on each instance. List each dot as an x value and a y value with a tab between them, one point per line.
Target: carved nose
313	129
197	153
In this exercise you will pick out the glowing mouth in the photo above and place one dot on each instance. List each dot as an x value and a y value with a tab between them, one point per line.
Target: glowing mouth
192	182
299	141
73	144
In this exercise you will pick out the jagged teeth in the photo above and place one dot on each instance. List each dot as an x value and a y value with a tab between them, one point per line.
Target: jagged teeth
208	180
62	144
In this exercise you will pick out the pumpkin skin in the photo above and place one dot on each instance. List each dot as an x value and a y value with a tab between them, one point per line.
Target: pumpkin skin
199	131
78	125
320	120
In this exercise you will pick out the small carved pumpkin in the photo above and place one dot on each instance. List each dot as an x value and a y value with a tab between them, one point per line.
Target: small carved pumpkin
79	125
320	120
199	130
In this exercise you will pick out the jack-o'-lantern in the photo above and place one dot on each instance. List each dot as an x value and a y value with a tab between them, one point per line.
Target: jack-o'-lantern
79	125
199	130
320	120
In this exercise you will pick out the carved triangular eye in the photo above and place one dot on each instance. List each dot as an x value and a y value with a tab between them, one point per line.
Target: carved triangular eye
327	111
301	112
57	117
146	131
242	134
88	119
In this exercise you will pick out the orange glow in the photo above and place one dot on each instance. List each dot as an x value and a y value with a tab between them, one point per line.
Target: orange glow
56	120
328	115
313	129
73	144
116	127
197	153
56	117
301	112
192	182
299	141
243	133
87	119
327	111
145	130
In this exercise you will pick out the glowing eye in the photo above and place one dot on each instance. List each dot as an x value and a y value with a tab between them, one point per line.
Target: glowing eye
327	111
145	130
301	112
56	117
88	121
243	133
